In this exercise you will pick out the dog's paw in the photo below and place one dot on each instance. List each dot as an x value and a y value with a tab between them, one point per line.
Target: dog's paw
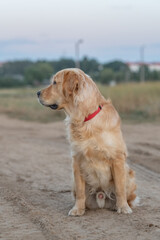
76	211
124	209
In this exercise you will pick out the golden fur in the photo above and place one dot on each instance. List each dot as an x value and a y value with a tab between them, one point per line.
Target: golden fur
97	146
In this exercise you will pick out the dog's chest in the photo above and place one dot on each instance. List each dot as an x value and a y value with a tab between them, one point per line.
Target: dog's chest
97	174
93	153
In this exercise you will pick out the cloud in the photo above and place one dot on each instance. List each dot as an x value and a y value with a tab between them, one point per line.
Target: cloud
122	7
16	41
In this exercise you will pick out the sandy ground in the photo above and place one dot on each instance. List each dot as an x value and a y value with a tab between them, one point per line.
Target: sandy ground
35	183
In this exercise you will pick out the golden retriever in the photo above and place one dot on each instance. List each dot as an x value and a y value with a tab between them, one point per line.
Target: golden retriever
102	178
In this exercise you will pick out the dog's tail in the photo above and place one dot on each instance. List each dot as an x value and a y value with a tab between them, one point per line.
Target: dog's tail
135	202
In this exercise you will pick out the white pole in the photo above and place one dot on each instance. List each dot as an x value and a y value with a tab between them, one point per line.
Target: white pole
142	72
77	63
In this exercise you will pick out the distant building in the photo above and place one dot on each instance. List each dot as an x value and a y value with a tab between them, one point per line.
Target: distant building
135	66
154	66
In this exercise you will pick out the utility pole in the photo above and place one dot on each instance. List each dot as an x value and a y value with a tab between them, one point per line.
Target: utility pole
142	69
77	63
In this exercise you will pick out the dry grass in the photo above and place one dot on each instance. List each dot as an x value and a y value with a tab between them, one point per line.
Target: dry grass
22	103
134	102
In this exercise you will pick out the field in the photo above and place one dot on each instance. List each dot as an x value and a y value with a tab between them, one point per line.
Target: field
135	102
35	169
22	103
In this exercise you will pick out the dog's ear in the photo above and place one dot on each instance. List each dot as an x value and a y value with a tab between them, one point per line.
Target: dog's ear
71	83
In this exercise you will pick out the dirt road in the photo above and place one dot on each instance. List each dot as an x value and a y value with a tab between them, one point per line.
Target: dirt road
35	183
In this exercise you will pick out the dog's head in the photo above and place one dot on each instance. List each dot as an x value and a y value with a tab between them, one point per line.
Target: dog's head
69	89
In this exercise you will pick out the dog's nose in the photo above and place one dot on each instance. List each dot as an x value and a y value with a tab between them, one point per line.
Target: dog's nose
38	93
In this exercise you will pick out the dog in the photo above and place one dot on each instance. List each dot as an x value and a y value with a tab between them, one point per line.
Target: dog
102	178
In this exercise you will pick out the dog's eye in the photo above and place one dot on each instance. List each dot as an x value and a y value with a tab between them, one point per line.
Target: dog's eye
54	82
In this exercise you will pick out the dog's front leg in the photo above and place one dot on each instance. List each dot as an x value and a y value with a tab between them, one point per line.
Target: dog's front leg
119	176
79	184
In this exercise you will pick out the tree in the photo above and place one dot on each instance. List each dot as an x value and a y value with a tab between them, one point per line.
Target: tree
8	82
62	63
38	72
119	76
116	66
106	75
154	75
89	65
14	68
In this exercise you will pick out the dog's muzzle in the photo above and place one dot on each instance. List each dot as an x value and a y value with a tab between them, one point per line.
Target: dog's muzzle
53	106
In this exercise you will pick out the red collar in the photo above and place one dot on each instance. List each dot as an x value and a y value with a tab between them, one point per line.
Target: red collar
93	114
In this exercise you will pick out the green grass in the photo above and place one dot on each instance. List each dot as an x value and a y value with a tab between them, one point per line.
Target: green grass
134	101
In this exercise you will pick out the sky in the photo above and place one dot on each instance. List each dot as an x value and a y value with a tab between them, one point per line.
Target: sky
110	29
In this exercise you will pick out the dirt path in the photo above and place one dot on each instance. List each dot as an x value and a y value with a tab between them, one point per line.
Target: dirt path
35	182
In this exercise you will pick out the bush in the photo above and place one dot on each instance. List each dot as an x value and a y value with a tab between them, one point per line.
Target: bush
106	76
38	72
8	82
